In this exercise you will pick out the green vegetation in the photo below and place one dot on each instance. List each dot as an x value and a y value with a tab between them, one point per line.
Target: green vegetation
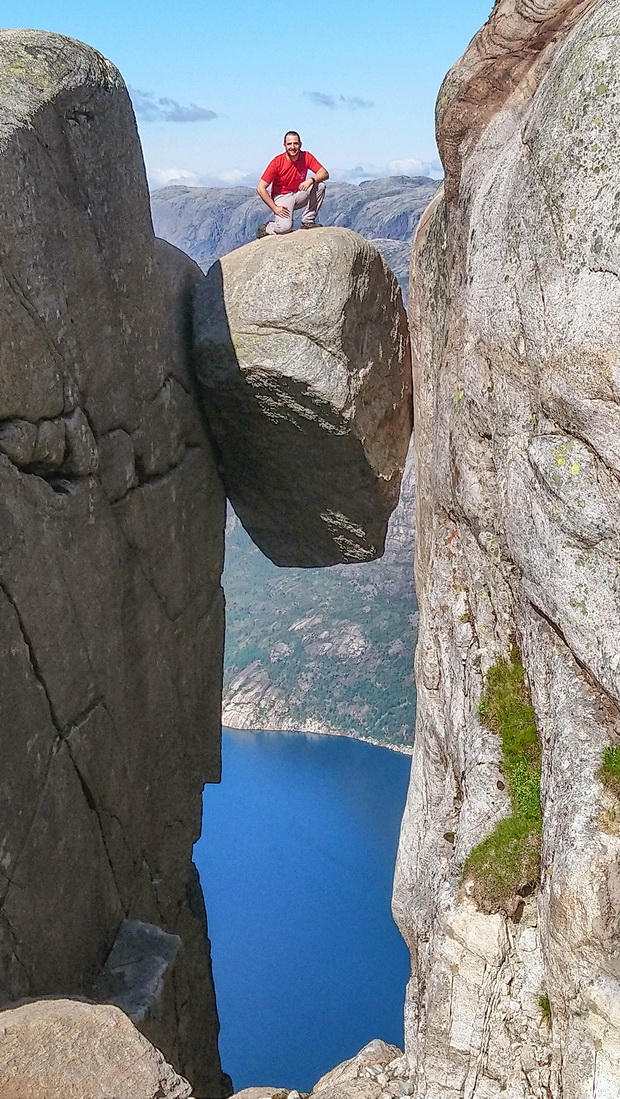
334	645
610	771
545	1007
509	859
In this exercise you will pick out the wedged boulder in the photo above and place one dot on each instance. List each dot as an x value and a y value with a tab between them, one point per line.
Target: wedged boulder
302	356
68	1049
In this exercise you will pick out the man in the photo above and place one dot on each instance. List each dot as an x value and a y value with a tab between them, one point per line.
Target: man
290	188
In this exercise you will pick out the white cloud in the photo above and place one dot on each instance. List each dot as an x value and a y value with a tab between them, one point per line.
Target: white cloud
233	177
150	108
161	177
411	166
240	177
349	102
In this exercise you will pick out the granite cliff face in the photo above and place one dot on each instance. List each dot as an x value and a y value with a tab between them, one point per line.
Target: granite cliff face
112	611
515	307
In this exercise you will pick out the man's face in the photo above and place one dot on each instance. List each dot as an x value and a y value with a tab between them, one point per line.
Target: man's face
292	145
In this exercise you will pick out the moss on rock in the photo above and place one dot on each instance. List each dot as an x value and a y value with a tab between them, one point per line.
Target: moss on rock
508	860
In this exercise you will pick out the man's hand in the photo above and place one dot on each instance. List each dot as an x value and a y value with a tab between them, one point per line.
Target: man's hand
307	184
281	211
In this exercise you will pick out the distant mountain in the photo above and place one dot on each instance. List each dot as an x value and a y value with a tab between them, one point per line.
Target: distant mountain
208	222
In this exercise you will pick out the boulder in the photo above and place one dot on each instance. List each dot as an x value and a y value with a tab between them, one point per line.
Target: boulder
365	1076
137	965
111	528
302	357
67	1049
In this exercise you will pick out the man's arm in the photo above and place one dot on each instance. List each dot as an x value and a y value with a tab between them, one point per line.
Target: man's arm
262	191
320	175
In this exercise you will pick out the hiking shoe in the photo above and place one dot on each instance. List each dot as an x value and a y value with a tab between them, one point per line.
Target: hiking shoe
312	225
261	231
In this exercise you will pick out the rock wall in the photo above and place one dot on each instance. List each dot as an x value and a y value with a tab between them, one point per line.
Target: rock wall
515	309
111	545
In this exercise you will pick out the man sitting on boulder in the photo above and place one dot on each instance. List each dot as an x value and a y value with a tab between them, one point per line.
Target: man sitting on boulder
290	188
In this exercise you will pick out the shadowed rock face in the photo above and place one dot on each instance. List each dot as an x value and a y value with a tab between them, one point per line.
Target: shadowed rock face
303	362
111	533
515	311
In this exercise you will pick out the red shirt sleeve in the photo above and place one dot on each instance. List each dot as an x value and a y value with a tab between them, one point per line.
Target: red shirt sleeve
271	170
313	163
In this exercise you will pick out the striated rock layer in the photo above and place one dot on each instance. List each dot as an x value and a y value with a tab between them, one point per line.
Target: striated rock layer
515	311
111	535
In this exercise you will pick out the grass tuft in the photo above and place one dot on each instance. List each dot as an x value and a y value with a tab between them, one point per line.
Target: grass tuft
610	771
509	859
545	1007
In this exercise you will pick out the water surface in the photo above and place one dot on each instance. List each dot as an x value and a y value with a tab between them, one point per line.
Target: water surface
296	860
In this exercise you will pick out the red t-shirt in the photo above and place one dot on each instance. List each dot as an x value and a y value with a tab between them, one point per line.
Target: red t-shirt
285	175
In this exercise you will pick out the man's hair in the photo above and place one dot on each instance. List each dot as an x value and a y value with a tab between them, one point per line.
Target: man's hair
291	133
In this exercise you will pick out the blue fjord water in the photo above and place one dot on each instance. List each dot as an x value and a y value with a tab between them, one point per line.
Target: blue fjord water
296	860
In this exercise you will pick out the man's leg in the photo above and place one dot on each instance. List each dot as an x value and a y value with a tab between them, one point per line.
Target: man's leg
316	194
282	224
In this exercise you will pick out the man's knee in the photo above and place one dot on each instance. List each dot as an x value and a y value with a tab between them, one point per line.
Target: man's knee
283	225
320	187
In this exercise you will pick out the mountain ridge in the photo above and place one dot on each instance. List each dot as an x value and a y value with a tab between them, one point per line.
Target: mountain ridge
209	222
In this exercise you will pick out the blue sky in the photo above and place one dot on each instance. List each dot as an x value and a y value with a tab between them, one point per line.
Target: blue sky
216	86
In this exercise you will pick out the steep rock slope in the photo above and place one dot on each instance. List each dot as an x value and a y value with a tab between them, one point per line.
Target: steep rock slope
328	651
111	546
515	308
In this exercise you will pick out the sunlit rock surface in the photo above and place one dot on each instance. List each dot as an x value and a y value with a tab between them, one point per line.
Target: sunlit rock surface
111	537
66	1049
378	1071
303	362
515	312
